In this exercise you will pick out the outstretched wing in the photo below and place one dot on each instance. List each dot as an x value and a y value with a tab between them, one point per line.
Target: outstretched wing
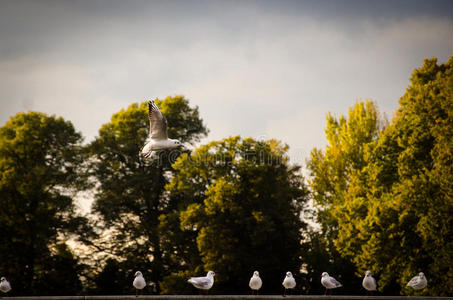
157	123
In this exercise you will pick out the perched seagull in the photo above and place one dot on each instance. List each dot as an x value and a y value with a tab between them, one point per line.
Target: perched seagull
158	138
418	282
203	283
329	282
255	282
5	287
289	282
368	282
139	282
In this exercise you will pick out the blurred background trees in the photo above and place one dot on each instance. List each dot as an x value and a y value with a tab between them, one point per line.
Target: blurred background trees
381	190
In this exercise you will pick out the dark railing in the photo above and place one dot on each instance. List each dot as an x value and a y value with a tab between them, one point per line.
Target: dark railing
227	297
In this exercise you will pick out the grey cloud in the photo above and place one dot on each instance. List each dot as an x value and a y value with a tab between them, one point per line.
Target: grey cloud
252	67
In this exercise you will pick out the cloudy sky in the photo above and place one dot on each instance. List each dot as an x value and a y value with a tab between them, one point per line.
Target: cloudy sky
269	69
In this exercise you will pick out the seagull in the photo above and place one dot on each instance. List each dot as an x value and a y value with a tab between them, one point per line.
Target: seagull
418	282
203	283
158	138
5	287
255	282
139	282
329	282
289	282
369	283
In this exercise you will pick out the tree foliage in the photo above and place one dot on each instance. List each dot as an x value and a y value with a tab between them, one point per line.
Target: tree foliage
408	225
393	212
383	195
40	158
333	172
241	204
130	190
331	169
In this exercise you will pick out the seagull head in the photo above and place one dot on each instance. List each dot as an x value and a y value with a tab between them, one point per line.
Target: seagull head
324	274
211	274
289	274
256	273
177	144
421	274
138	273
368	273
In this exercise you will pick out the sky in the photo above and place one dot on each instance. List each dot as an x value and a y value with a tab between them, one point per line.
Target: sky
264	69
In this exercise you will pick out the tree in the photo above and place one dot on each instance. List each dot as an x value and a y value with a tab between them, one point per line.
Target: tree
331	170
40	159
130	194
242	201
399	215
334	172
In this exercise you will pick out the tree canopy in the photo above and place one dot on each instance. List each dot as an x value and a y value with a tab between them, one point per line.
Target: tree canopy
333	171
130	193
243	203
382	197
40	158
394	213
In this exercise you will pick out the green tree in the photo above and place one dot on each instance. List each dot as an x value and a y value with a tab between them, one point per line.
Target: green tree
40	160
331	169
243	203
400	213
333	174
130	195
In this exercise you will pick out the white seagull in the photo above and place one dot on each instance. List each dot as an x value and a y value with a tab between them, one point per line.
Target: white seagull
139	282
289	282
418	282
203	283
5	287
329	282
255	282
369	283
158	138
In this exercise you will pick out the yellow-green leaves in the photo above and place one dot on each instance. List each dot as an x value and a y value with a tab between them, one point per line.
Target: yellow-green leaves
387	195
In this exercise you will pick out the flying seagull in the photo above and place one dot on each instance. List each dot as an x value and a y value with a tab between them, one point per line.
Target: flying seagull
369	283
158	138
289	282
5	287
329	282
139	282
203	283
255	282
418	282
